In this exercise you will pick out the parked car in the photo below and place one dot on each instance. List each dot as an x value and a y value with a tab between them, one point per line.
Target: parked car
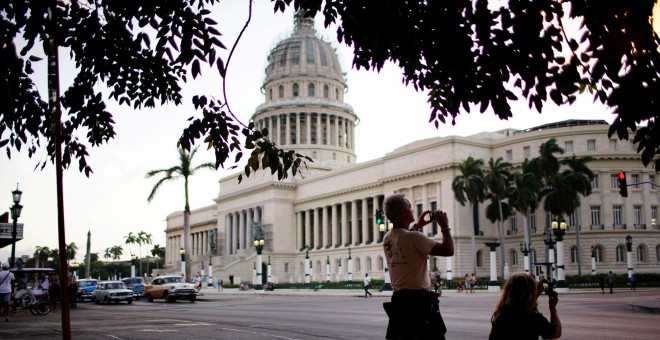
109	291
170	288
136	284
86	288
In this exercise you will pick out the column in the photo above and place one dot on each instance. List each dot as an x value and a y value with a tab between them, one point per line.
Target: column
297	127
249	227
426	206
308	121
241	230
319	136
493	285
317	229
287	128
300	243
344	224
308	225
354	222
335	226
365	221
227	234
234	234
327	228
411	198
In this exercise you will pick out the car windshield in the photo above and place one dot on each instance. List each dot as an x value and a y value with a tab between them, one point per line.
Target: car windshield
86	283
115	285
173	280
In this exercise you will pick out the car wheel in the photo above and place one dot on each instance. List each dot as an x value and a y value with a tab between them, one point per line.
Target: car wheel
166	297
81	299
116	302
130	302
149	298
192	298
95	300
106	300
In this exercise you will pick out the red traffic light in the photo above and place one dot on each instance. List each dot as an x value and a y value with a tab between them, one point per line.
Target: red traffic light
621	175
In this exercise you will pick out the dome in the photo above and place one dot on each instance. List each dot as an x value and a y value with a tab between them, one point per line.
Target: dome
303	53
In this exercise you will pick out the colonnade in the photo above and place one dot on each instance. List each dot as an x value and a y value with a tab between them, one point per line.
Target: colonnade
309	128
239	229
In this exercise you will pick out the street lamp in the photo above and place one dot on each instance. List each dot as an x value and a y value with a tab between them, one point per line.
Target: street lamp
74	268
350	267
182	252
327	269
307	263
559	229
593	260
550	244
15	214
259	243
525	249
629	248
133	259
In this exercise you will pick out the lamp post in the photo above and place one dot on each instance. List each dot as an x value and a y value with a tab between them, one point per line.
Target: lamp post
383	228
493	285
259	245
133	259
524	248
182	252
327	269
559	228
593	260
307	279
15	214
350	267
270	271
74	268
629	248
550	244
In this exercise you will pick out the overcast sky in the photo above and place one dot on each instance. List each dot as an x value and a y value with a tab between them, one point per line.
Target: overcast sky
112	202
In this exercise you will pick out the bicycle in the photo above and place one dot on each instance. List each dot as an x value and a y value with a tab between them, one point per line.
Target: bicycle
40	307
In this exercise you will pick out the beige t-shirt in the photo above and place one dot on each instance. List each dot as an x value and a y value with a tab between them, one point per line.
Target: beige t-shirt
406	253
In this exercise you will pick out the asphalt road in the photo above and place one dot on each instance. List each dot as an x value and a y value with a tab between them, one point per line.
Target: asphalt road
324	316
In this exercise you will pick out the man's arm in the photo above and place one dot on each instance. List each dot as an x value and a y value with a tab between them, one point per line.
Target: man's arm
446	247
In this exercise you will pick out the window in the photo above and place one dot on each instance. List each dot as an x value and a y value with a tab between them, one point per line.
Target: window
480	258
326	91
637	211
594	182
573	219
295	53
527	152
509	155
368	263
598	252
652	180
612	144
591	145
654	212
514	258
641	253
286	267
620	257
270	94
281	91
313	154
295	89
657	253
595	215
512	221
381	263
358	265
531	221
310	90
309	51
574	254
635	181
616	214
568	146
614	181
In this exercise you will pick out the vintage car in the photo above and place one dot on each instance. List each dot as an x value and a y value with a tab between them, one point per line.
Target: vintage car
109	291
86	288
136	284
170	288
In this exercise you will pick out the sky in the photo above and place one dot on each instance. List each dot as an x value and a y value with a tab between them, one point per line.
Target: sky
113	201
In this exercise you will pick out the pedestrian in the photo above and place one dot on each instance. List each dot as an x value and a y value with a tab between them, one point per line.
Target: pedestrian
414	310
473	283
219	284
54	291
367	285
601	283
6	277
610	282
633	282
517	316
466	284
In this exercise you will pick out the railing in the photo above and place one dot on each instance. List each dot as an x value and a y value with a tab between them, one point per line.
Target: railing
640	226
512	232
655	226
574	228
619	226
532	230
597	227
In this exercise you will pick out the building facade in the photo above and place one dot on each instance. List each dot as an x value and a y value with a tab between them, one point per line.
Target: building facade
328	213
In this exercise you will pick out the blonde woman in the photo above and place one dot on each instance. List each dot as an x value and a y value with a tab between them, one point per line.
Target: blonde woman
517	316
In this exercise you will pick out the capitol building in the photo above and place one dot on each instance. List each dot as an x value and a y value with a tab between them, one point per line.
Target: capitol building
328	213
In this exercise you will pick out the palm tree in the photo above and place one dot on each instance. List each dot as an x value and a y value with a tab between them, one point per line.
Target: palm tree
143	238
131	239
55	255
497	180
108	253
524	198
158	251
186	170
117	252
547	164
469	187
71	250
41	255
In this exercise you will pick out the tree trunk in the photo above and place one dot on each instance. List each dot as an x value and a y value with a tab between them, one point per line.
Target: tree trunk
186	241
501	232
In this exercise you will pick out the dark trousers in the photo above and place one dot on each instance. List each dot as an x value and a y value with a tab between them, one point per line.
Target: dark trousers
414	314
366	291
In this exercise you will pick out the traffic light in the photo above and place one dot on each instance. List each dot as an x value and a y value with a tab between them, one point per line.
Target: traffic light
623	185
379	216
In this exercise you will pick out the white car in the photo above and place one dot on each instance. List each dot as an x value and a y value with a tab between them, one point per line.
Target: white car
170	288
109	291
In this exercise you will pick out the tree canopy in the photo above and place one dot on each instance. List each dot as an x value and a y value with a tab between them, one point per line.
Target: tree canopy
466	54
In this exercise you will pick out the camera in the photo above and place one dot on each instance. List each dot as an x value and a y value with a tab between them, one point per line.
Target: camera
548	287
431	215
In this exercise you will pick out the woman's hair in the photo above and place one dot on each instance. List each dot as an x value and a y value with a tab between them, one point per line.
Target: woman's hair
518	300
394	205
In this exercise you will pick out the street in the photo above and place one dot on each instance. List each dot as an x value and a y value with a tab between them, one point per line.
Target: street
324	315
